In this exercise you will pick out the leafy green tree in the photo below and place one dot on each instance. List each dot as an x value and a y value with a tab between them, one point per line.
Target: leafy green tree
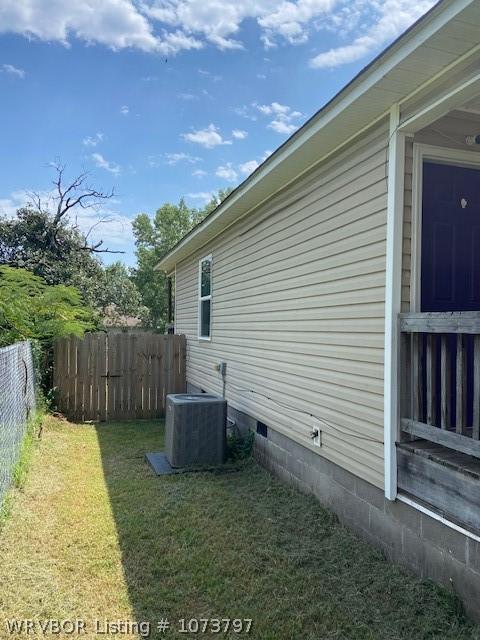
30	309
154	237
44	239
215	200
31	240
113	294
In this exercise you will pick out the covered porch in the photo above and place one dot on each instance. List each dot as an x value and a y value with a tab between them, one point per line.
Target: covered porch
438	326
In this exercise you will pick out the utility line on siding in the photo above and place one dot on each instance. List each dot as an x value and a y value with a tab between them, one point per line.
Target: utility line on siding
307	413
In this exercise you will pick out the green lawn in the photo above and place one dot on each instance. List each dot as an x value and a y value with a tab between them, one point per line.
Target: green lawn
95	534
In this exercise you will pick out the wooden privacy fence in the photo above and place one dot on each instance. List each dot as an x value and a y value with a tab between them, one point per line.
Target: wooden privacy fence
117	376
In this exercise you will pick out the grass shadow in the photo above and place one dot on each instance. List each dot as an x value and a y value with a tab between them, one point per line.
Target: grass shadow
243	545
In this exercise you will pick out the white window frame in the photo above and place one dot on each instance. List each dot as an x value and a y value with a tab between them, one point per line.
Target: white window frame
440	155
173	274
203	298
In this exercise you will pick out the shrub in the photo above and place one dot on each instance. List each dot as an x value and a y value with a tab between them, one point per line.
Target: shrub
30	309
239	447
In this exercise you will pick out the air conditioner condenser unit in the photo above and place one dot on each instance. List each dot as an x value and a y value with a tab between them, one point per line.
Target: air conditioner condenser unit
195	430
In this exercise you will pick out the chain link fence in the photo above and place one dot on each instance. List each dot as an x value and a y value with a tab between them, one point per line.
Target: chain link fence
17	400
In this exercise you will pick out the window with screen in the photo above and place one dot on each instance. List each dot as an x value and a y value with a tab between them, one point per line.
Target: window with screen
205	298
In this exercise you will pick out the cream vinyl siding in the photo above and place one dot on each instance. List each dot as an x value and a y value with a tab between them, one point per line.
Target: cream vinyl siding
298	309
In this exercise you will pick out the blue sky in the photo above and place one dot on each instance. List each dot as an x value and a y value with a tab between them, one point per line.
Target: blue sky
170	98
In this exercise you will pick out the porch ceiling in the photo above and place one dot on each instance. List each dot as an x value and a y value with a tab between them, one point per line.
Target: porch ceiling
452	130
473	106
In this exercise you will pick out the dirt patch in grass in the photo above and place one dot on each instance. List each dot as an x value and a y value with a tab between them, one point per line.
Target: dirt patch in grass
95	534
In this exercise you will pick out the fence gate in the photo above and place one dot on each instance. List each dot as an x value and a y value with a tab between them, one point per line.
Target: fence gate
116	375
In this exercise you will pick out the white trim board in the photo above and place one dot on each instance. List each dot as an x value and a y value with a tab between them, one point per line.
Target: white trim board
393	295
436	516
444	155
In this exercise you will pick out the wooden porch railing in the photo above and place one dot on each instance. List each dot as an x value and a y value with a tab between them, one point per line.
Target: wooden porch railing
440	379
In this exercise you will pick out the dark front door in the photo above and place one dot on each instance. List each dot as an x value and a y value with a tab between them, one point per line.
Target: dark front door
450	279
451	261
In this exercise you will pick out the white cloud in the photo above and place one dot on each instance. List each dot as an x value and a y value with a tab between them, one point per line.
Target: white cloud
214	77
248	167
169	26
175	158
199	173
203	196
281	126
102	163
13	71
92	141
245	112
392	17
115	23
16	200
124	110
179	41
219	22
290	20
106	224
153	161
227	172
187	96
208	137
231	172
284	118
239	134
274	108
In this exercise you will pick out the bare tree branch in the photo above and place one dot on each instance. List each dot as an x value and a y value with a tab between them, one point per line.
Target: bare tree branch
96	248
69	196
36	201
99	222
